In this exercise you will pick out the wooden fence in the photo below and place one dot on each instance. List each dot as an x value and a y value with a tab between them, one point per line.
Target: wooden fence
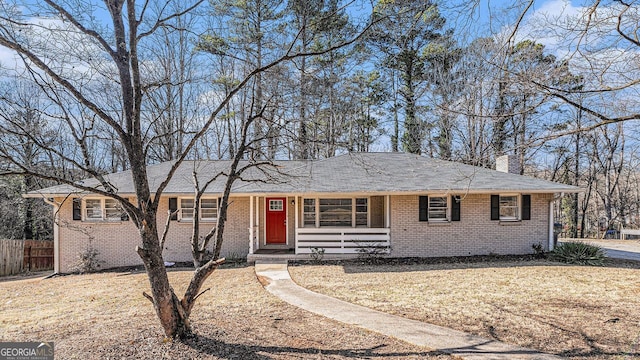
11	252
38	255
25	255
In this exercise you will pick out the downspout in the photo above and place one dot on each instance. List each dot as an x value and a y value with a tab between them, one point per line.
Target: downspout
551	221
251	224
296	201
56	235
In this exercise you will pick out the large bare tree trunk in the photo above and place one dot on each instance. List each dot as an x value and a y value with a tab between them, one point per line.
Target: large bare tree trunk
168	308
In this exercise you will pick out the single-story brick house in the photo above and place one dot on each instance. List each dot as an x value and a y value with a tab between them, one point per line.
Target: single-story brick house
412	205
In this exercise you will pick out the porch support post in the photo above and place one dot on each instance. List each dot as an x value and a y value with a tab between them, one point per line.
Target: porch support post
295	227
257	222
551	221
387	211
251	225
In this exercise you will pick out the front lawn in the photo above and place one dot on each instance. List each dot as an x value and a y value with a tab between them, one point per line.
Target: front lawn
573	311
105	316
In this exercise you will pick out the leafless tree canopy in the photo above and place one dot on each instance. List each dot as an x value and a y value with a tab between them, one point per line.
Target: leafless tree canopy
94	87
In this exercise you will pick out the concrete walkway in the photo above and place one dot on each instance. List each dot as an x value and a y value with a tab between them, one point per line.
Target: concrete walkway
275	277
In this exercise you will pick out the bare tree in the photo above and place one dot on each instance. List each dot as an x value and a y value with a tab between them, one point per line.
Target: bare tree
94	59
600	41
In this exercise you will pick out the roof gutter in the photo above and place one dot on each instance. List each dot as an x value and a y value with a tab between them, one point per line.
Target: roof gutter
334	193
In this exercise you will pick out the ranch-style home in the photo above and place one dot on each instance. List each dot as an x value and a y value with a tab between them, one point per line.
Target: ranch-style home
410	205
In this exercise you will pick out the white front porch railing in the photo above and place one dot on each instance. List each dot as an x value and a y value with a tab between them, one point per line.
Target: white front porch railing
341	240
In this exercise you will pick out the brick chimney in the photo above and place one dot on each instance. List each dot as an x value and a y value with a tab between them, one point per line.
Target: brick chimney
508	164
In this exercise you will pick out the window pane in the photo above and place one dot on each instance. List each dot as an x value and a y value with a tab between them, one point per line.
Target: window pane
335	212
208	209
508	201
437	201
93	208
508	213
437	208
208	203
437	214
309	212
361	219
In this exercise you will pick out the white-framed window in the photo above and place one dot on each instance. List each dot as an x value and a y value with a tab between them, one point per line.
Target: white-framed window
309	212
509	207
362	211
208	209
336	212
101	209
185	208
438	208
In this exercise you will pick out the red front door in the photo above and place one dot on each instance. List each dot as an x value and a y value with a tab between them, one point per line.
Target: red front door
276	220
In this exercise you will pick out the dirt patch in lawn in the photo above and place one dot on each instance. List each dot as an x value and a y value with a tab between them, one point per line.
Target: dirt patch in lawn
102	316
573	311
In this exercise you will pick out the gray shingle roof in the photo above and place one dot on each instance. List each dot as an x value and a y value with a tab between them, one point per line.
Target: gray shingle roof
349	173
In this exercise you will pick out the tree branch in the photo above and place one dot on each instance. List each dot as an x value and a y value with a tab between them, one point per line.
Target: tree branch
92	33
235	90
161	22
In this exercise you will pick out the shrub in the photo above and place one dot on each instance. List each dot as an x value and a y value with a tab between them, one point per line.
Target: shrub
579	253
87	261
538	249
372	251
317	254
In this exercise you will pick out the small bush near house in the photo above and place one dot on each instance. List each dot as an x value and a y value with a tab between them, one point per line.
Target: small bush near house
317	254
233	257
372	252
538	250
579	253
87	261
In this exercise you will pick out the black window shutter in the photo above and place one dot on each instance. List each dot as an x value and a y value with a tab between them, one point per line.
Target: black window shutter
424	208
173	207
124	216
495	207
455	208
77	209
526	207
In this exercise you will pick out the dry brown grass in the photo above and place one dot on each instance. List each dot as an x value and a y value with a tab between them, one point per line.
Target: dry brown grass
104	316
573	311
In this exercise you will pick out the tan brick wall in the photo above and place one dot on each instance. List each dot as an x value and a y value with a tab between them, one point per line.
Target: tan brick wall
236	232
116	241
475	234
